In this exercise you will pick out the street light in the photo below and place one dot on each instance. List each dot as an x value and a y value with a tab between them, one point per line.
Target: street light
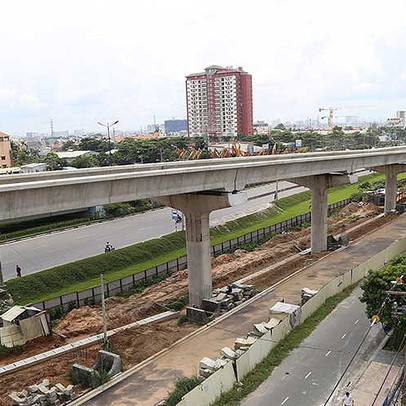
108	125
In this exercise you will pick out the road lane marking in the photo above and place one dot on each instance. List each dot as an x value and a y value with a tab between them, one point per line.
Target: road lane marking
286	399
343	336
328	353
356	321
307	375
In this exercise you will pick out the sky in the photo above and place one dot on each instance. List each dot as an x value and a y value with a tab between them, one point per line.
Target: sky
79	62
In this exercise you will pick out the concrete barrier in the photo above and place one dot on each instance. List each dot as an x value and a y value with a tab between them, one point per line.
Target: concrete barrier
211	388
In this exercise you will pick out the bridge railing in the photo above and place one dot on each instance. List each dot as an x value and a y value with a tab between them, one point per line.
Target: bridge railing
93	295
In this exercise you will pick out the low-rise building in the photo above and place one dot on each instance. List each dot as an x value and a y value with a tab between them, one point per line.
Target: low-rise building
70	156
6	160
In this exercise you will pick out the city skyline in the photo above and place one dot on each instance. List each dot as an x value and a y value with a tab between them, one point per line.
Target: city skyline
81	62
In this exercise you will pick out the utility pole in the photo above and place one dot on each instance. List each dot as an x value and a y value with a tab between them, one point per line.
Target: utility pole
108	125
104	312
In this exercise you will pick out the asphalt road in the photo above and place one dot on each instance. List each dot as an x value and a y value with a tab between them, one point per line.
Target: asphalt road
309	374
45	251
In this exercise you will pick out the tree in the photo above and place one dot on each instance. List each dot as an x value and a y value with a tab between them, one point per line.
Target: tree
69	145
22	155
375	287
94	144
54	162
84	161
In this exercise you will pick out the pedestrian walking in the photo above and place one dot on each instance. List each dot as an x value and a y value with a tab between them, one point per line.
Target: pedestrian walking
348	399
18	271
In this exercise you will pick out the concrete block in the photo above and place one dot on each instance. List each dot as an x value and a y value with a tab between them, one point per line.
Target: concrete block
205	373
109	361
244	342
228	353
220	363
273	322
207	363
260	329
237	293
196	315
211	305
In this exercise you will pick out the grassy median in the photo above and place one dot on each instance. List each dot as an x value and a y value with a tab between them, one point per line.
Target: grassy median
84	274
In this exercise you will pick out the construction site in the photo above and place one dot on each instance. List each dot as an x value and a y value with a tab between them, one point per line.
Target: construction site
274	261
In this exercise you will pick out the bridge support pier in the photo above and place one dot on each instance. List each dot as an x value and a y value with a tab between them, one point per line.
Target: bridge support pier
391	183
319	184
196	209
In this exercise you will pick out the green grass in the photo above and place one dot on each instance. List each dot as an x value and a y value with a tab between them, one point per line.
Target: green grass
262	371
84	274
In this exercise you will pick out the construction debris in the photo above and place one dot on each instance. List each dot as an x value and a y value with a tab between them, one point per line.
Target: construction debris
280	309
307	294
43	395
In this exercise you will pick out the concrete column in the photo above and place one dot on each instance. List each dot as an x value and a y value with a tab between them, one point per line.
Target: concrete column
319	184
391	190
196	209
391	183
319	216
198	257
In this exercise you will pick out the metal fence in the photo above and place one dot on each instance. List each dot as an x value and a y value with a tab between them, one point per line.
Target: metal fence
93	295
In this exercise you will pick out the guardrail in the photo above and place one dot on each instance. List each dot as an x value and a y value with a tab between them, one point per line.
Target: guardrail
93	295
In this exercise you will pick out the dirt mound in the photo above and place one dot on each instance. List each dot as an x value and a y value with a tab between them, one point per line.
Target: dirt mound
85	320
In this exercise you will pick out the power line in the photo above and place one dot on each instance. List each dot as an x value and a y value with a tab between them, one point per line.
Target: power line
390	368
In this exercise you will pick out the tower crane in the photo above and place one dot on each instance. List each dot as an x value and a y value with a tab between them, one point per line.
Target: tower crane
330	115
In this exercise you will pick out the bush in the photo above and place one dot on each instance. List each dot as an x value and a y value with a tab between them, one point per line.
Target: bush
182	386
179	303
357	197
6	351
182	320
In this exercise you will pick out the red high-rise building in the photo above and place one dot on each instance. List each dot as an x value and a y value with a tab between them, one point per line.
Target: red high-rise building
219	102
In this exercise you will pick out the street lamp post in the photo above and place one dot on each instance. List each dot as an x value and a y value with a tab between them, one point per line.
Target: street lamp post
108	125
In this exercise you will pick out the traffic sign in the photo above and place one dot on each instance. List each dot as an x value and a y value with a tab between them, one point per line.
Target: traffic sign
376	318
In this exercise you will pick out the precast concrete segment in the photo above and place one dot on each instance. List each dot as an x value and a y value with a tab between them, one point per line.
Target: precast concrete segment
37	194
196	208
391	183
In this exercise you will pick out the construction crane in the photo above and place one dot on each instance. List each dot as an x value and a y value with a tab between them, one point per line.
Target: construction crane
330	115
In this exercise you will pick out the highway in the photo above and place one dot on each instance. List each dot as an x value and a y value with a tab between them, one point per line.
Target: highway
309	374
48	250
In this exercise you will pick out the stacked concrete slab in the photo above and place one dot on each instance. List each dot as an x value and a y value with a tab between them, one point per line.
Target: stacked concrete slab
43	395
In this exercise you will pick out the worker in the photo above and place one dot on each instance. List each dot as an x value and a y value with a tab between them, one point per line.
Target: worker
348	399
18	271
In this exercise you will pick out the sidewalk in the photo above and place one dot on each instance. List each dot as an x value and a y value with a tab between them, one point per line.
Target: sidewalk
369	384
150	382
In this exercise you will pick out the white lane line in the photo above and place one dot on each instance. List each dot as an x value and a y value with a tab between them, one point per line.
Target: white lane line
343	336
328	353
307	375
356	321
286	399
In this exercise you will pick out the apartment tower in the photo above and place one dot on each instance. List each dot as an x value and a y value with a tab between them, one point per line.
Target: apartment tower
219	102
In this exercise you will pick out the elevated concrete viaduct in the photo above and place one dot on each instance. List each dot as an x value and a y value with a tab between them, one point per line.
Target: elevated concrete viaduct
196	188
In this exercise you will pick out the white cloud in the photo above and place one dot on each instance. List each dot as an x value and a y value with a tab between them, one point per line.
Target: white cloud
79	61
